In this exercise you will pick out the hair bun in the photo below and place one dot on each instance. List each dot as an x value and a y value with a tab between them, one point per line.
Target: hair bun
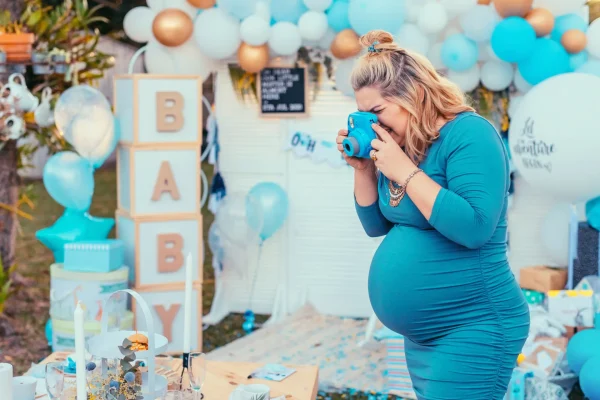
381	39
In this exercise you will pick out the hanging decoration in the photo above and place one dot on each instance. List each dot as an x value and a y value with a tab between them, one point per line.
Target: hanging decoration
319	151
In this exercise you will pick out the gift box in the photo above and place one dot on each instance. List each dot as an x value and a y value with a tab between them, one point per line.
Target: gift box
94	256
586	261
532	297
543	279
572	308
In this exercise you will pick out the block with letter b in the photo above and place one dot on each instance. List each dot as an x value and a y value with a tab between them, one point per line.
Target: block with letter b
156	248
159	109
158	181
167	307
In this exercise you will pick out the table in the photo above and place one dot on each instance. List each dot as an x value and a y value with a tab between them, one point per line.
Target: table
223	377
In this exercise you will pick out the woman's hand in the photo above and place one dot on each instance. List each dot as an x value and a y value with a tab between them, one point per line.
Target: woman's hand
389	157
357	163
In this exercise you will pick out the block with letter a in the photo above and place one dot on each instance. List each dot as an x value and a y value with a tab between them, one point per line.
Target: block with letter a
158	167
167	306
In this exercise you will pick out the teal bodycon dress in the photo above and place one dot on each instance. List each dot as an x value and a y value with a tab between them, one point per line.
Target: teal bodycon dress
445	284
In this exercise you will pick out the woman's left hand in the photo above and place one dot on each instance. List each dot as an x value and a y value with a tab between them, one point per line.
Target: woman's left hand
389	157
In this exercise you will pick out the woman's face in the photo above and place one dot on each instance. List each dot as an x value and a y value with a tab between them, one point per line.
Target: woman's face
392	117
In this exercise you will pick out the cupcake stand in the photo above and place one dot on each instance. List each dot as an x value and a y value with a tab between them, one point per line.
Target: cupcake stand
105	346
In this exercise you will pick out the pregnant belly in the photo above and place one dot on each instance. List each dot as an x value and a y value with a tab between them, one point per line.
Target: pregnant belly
422	285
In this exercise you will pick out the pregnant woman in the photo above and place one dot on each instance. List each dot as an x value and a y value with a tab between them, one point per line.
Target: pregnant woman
436	186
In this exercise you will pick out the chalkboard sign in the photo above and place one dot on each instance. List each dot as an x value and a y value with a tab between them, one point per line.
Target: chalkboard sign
283	92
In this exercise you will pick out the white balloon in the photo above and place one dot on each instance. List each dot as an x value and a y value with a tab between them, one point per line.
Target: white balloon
255	31
435	56
285	38
478	22
89	132
483	52
318	5
327	39
513	105
263	10
313	25
554	232
491	54
466	80
451	31
455	7
520	83
432	18
138	24
412	38
560	7
413	10
159	5
186	59
497	75
593	39
217	33
554	140
343	73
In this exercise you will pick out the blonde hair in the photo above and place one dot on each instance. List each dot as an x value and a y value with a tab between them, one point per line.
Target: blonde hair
409	80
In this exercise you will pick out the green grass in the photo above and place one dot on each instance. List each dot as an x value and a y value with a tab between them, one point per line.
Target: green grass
28	307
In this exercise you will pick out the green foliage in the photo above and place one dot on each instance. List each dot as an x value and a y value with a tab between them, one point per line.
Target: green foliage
5	284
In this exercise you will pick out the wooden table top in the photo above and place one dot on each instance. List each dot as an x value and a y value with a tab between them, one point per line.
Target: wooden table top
223	377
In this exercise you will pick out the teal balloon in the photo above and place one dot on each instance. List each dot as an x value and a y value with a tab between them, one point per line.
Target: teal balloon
548	58
337	16
589	378
73	226
577	60
592	213
368	15
48	332
69	179
566	23
238	8
273	206
287	10
513	39
459	53
583	347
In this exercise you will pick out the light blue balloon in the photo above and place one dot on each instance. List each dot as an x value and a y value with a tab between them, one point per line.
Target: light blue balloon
287	10
69	179
588	378
566	23
582	347
368	15
513	39
73	226
238	8
548	58
577	60
337	15
273	202
591	67
459	53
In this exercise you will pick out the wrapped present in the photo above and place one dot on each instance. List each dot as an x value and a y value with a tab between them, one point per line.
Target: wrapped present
94	256
586	259
543	279
532	297
573	308
544	356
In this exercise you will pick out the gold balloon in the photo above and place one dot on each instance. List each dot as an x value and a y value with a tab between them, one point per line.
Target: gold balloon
542	21
513	8
202	3
172	27
574	41
345	45
253	58
484	2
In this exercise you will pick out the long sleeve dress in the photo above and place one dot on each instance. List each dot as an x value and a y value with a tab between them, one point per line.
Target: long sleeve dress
445	284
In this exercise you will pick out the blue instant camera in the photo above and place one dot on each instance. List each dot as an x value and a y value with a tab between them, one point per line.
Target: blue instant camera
360	134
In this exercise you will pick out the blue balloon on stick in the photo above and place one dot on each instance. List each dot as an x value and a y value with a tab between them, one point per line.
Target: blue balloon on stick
459	53
287	10
548	58
337	16
367	15
565	23
273	204
69	179
73	226
513	39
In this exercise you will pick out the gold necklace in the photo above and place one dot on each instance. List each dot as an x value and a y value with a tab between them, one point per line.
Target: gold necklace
396	193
